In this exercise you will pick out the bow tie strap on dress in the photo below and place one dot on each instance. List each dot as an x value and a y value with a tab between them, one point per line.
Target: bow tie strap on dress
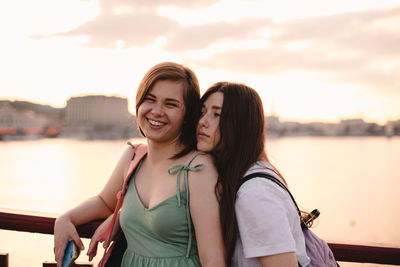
177	169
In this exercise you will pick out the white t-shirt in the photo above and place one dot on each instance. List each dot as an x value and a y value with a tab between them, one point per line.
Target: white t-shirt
268	221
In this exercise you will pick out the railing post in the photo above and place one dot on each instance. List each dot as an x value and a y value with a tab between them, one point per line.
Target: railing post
3	259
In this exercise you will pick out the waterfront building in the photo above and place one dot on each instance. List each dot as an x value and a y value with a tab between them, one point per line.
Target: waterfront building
352	127
14	121
392	128
98	117
97	109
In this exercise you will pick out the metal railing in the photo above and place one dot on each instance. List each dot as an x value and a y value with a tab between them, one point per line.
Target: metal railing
15	221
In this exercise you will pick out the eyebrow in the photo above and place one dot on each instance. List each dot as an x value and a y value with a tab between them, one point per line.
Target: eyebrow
173	100
214	107
168	99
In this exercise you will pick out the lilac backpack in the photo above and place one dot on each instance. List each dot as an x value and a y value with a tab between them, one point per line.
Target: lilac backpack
317	249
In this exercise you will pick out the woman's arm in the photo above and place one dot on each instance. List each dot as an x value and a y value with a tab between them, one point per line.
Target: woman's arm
97	207
64	227
288	259
97	237
263	212
204	208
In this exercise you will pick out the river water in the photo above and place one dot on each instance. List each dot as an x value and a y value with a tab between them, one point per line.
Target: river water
353	181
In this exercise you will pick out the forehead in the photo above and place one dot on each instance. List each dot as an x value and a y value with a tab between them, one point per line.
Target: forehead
215	100
168	89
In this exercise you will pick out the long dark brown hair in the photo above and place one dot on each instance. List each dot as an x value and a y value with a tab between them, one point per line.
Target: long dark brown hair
191	96
241	144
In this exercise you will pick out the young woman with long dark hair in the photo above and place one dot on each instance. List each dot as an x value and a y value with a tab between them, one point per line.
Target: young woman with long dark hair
260	224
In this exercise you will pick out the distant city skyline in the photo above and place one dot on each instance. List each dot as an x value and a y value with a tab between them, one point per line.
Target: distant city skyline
107	117
311	60
270	113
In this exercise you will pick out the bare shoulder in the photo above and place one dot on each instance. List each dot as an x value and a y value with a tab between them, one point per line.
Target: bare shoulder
117	177
208	173
127	152
121	169
125	159
204	159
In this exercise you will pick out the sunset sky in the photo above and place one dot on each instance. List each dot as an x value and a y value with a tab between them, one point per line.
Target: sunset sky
309	60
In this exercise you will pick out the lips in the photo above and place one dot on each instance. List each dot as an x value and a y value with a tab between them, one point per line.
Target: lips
201	134
156	123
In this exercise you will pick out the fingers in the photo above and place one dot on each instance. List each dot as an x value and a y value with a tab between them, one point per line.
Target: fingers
92	253
92	250
92	246
106	242
59	254
78	241
60	244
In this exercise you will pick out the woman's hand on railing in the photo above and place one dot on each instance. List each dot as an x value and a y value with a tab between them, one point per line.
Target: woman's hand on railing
98	238
64	231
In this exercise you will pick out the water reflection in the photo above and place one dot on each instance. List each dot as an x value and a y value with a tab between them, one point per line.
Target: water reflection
352	181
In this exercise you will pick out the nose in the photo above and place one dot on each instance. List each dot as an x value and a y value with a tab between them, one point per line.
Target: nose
157	109
203	122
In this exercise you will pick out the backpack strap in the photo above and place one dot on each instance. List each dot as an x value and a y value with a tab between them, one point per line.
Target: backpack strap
271	178
303	223
278	182
139	151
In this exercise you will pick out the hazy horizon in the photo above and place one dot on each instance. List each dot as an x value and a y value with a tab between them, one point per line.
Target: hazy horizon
266	112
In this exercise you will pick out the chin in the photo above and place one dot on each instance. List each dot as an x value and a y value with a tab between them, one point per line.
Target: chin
203	147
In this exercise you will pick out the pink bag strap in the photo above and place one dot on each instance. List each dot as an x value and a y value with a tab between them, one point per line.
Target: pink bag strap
139	151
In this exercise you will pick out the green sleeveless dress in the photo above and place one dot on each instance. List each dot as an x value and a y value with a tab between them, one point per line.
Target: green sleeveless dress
163	235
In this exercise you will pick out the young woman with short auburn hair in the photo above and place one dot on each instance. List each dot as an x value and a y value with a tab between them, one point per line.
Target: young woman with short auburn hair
157	213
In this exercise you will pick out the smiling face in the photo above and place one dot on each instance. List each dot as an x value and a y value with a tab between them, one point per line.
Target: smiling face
208	133
160	115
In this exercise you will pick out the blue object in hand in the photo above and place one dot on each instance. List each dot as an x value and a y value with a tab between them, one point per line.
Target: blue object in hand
70	255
